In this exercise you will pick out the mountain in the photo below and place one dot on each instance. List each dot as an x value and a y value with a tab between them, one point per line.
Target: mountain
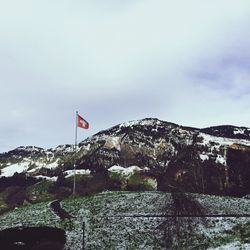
228	131
146	154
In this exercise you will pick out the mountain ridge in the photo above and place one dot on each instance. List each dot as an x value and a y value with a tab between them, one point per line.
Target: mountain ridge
208	130
147	154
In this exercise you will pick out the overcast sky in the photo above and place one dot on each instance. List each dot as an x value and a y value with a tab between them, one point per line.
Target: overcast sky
186	62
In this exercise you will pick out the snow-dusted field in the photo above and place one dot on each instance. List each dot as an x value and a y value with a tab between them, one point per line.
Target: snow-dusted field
136	220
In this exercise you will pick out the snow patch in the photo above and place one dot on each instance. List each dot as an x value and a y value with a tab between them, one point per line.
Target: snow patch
51	165
221	141
145	122
15	168
54	178
28	148
204	157
38	165
126	172
239	131
70	173
87	147
217	146
232	245
65	148
220	159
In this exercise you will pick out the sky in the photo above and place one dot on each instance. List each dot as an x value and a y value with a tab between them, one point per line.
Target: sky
114	61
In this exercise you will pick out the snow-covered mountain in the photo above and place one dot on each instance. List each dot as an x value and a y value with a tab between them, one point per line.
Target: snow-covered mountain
33	161
229	132
147	153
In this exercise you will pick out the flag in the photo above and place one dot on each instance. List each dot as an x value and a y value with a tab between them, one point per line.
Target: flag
81	123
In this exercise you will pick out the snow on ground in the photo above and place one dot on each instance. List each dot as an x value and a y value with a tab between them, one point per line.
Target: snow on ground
132	220
217	146
125	220
221	141
126	172
239	131
38	164
14	168
138	122
25	165
220	159
236	245
146	122
43	164
54	178
204	157
70	173
29	148
51	165
86	147
65	148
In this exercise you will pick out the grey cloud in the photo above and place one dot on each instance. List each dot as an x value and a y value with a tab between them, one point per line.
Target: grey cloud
118	61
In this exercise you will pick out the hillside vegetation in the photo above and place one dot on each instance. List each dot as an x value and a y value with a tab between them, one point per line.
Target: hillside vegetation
143	220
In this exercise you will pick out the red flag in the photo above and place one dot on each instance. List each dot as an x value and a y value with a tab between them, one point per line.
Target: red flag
81	123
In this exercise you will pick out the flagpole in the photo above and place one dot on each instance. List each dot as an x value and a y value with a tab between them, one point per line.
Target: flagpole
74	184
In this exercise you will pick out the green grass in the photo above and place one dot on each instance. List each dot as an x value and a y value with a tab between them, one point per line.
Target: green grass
110	224
240	232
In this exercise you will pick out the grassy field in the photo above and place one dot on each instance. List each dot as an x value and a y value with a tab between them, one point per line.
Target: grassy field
138	220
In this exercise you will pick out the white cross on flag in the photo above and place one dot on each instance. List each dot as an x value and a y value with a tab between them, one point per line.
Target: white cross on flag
81	123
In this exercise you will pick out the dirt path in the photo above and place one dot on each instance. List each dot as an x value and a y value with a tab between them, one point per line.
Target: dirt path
55	206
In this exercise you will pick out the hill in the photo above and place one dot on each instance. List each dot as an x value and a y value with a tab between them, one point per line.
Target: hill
143	220
147	154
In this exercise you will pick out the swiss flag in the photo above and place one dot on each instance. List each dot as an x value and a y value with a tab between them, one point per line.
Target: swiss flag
81	123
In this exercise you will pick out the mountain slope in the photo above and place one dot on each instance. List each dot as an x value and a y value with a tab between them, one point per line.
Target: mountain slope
228	131
142	155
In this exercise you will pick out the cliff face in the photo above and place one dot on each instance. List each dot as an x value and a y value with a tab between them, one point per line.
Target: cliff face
177	156
165	154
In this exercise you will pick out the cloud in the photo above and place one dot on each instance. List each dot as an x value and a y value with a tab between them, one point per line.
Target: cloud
117	61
